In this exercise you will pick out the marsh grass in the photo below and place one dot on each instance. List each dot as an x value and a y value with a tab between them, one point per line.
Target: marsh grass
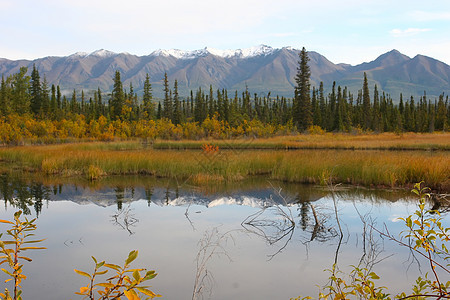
357	167
337	141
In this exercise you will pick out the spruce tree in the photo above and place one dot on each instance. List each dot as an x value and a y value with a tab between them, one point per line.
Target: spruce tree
117	97
167	110
366	104
53	104
35	91
176	104
4	98
303	112
147	98
45	104
58	97
20	96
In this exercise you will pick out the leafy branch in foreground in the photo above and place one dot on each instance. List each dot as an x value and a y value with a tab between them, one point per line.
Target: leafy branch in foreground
126	282
426	236
20	231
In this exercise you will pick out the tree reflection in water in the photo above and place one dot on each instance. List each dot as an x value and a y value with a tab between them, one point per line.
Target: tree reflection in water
125	219
22	196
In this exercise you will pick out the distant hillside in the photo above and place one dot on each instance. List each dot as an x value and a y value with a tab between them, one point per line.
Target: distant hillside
261	69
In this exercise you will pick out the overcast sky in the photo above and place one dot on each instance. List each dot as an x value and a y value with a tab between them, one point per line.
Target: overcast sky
346	31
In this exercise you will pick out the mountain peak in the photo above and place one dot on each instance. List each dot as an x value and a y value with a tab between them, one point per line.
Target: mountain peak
392	57
99	53
260	68
260	50
102	53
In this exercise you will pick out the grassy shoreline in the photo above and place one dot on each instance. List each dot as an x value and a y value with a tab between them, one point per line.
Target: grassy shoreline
358	167
336	141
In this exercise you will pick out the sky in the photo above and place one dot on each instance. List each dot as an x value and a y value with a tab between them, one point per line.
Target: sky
345	31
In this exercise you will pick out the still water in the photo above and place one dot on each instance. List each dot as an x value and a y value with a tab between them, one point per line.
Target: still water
265	239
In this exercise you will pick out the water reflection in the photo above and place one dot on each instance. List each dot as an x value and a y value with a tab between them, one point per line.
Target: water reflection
28	193
257	236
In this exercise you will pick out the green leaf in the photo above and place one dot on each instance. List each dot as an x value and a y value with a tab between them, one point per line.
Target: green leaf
136	275
132	256
150	275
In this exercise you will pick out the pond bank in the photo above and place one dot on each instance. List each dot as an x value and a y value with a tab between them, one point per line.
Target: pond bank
359	167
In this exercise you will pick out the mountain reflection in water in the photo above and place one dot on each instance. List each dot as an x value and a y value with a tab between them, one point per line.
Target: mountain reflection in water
272	240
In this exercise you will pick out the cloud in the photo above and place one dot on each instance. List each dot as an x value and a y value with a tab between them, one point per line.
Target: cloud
407	32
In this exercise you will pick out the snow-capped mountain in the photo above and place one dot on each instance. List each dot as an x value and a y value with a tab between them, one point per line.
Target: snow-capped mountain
261	69
260	50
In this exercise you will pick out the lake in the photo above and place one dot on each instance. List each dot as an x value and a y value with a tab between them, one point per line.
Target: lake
264	239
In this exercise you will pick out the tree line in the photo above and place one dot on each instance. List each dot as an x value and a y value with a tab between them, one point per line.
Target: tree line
32	99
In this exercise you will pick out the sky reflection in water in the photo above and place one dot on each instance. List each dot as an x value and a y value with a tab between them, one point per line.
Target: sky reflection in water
263	257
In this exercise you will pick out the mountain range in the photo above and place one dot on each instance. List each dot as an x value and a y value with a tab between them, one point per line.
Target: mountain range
261	69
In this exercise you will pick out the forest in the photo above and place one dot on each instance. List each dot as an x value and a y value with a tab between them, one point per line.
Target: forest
32	111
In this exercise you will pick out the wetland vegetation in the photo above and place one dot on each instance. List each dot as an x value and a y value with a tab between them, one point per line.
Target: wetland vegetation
360	160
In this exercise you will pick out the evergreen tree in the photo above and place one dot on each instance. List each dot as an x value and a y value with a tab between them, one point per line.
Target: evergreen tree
20	96
100	106
53	103
441	118
303	111
176	105
376	115
117	98
58	97
147	98
45	104
35	91
83	103
73	103
4	98
366	104
168	110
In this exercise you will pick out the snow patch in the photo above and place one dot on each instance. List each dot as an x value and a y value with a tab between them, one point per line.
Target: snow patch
261	50
99	53
102	53
79	54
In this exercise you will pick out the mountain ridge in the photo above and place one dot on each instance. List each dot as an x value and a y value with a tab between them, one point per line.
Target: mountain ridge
261	69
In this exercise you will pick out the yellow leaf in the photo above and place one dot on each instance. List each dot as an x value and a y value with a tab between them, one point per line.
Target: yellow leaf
112	266
147	292
26	258
82	273
32	248
7	222
83	291
106	285
131	295
37	241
